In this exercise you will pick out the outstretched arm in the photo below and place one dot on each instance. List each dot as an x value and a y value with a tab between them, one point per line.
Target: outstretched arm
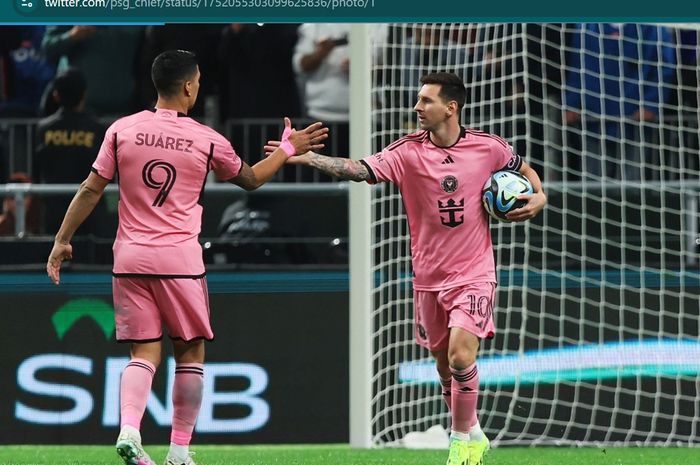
341	168
309	138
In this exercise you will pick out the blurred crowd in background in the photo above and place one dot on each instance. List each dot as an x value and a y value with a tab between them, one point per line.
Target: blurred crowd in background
73	81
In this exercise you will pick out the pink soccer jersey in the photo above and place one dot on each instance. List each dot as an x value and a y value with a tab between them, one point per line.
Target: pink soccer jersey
441	191
162	159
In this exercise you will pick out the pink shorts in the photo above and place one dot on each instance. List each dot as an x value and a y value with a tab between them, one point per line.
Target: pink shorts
143	305
469	307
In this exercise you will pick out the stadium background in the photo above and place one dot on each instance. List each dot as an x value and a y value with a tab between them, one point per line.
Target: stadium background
283	276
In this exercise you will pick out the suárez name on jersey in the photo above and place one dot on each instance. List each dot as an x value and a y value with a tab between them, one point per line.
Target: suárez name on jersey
164	142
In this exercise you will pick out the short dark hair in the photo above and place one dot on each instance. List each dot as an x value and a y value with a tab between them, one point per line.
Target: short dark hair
452	87
70	86
171	69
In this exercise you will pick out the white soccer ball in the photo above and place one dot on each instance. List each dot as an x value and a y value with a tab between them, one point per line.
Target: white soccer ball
501	191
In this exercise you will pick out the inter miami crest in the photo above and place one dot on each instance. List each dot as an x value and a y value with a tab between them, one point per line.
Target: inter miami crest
449	184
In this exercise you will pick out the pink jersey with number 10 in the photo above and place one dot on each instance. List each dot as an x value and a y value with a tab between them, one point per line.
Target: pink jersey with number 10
441	191
162	159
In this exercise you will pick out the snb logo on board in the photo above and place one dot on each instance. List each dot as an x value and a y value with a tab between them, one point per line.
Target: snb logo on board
86	381
25	6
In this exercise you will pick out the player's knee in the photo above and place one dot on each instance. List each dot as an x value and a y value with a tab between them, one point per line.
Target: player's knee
147	352
188	352
461	358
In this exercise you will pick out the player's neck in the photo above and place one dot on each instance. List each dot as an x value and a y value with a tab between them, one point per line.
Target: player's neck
446	135
172	104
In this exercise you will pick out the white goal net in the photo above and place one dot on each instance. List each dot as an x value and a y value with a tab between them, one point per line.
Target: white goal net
598	311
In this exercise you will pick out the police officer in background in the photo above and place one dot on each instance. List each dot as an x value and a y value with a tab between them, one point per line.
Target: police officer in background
67	145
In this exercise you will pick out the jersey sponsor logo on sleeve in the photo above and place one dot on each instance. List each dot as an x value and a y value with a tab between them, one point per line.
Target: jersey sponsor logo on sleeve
165	142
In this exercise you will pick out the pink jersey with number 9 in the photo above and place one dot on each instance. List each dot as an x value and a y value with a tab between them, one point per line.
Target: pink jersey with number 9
161	159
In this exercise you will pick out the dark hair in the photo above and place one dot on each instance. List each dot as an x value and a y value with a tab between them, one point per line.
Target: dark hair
452	87
171	69
70	85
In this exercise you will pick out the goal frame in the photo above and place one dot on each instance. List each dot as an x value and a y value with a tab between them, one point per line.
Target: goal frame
359	208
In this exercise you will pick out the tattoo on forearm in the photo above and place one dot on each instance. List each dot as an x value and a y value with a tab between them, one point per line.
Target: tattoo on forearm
246	178
343	168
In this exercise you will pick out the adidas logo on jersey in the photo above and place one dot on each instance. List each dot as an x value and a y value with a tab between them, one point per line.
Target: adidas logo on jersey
447	160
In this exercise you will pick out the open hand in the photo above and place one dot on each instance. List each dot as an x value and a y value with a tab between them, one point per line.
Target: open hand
309	138
298	142
59	253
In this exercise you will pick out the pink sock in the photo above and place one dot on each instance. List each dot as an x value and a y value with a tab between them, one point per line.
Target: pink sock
446	391
187	398
465	394
134	391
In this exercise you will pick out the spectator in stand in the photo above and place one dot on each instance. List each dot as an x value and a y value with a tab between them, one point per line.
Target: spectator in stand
67	143
106	55
24	74
619	78
322	63
31	210
686	161
24	71
543	52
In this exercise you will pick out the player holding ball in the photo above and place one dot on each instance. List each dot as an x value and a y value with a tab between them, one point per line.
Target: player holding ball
441	171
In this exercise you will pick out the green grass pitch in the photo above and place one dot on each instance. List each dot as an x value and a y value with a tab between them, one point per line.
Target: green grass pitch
343	455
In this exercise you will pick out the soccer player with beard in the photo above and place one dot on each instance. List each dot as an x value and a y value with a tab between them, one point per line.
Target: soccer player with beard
440	171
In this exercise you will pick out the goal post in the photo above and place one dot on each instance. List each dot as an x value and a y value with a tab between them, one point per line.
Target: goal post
598	308
360	262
